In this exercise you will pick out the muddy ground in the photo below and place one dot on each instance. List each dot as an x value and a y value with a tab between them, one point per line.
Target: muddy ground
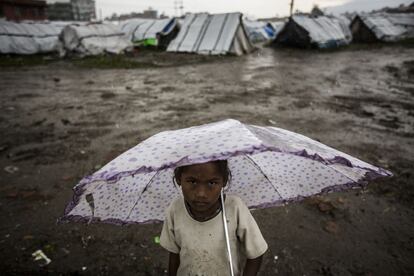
60	122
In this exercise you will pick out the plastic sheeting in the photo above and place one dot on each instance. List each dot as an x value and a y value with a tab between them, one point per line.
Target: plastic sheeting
389	26
216	34
28	38
140	29
277	26
94	39
326	32
259	31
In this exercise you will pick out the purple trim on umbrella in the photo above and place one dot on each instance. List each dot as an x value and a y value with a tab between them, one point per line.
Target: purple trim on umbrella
370	175
341	160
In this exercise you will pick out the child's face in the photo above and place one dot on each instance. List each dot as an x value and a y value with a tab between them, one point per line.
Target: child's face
201	185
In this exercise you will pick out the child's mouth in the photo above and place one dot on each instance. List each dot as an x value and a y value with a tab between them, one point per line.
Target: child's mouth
200	203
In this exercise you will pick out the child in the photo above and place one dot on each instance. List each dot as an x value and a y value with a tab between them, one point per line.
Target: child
193	230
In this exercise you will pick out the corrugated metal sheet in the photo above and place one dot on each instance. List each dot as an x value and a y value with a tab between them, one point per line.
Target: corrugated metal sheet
28	38
211	34
324	31
382	27
94	39
401	19
140	29
389	26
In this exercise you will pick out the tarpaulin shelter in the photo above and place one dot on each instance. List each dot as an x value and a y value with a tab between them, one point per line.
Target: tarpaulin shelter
150	32
259	31
94	39
28	38
212	34
277	26
312	32
387	27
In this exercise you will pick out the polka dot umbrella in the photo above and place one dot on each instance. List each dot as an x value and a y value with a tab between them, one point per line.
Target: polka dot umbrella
269	166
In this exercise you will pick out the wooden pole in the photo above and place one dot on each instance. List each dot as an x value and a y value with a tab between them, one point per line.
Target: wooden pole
291	7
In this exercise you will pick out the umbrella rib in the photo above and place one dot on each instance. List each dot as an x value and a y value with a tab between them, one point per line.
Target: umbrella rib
341	173
260	169
143	190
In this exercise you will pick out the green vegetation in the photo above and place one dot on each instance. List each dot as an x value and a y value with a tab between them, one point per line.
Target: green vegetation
145	59
407	43
30	60
98	62
151	58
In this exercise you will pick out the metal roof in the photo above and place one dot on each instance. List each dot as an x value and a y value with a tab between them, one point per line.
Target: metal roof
322	30
211	34
389	26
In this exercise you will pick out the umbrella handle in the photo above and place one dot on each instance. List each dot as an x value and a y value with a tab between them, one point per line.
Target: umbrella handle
226	233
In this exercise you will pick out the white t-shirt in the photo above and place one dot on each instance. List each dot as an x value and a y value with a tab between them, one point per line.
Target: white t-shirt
202	245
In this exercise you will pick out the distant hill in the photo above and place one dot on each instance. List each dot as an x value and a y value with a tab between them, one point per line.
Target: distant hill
365	5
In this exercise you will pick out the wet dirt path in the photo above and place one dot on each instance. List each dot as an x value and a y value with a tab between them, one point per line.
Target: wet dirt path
59	123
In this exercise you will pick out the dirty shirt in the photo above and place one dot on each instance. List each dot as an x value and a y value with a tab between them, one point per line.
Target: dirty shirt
202	245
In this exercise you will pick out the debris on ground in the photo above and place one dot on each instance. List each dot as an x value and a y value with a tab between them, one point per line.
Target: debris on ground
87	240
65	121
11	169
27	194
324	205
39	122
4	147
28	237
331	227
38	255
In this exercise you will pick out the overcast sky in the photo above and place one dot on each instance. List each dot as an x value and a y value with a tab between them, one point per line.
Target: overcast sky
255	9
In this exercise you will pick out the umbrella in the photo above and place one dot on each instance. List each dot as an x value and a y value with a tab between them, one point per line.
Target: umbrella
270	166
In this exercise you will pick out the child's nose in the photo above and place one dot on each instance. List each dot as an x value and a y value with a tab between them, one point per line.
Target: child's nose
201	191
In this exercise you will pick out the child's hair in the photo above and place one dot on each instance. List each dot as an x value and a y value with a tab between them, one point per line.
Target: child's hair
222	166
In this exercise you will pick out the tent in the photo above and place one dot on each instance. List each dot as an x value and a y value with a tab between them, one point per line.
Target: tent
94	39
216	34
386	27
152	32
304	31
28	38
259	31
277	26
345	24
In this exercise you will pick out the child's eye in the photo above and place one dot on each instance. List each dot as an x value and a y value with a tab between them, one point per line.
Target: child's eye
193	182
212	183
